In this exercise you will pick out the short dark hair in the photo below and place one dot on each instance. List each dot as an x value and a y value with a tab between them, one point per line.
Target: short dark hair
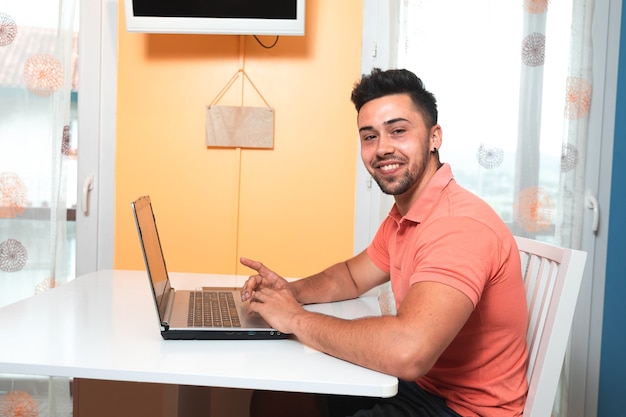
381	83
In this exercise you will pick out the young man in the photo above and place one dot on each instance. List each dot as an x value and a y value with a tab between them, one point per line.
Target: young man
458	340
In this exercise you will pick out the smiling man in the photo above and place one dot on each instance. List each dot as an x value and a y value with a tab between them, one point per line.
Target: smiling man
458	340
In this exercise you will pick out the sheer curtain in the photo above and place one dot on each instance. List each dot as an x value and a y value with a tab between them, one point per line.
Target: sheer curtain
513	84
37	168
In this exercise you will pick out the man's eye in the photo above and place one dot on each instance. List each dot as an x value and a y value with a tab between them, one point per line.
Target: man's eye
398	131
368	138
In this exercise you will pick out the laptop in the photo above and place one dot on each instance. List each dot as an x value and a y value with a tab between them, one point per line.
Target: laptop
212	313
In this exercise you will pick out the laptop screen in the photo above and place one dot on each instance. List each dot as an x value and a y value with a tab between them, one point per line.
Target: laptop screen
152	251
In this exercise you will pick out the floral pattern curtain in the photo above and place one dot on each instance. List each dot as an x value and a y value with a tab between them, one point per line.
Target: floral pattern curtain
513	84
38	44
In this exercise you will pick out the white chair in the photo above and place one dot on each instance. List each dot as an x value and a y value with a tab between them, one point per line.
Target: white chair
552	278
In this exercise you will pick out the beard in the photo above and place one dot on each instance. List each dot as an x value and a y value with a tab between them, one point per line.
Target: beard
396	187
407	179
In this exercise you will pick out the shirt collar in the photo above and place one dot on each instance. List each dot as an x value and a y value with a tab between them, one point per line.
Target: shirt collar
424	204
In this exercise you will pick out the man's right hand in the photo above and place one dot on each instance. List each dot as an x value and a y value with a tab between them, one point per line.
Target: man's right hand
265	278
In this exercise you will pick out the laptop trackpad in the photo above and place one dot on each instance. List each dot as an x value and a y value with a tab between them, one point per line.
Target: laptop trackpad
254	320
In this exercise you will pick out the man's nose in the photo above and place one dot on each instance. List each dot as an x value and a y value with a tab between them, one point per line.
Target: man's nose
385	145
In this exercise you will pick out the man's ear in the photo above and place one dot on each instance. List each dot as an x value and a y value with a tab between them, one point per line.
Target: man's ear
435	137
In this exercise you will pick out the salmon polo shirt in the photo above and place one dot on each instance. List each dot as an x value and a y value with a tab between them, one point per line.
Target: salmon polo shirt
453	237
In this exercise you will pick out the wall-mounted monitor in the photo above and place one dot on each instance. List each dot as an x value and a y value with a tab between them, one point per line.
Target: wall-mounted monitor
217	17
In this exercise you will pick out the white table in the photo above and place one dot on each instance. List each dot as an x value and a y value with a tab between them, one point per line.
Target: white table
103	326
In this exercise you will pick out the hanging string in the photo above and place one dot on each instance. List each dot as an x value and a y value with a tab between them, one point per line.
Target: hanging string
244	76
242	70
229	84
242	62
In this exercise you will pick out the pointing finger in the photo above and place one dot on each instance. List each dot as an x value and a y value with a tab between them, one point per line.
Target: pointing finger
256	265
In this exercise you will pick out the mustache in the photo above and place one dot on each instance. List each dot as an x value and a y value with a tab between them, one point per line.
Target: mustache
393	159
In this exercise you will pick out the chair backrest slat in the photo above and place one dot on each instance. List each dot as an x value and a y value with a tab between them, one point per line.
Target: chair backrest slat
552	279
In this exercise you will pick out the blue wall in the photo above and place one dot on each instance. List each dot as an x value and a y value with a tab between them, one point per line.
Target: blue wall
612	394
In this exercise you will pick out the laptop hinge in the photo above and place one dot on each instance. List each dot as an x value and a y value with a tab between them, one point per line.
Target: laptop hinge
168	310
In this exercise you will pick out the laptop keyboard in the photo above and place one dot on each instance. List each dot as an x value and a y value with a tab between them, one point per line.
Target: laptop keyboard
212	309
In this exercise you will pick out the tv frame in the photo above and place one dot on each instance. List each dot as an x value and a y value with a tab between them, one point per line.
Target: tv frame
215	26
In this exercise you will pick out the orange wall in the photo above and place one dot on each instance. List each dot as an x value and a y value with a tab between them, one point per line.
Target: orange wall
292	206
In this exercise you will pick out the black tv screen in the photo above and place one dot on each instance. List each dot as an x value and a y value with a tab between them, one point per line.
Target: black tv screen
237	9
254	17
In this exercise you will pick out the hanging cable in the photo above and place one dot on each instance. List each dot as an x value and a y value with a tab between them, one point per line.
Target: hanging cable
266	46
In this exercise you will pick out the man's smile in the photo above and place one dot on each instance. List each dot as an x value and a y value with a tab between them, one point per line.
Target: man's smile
390	167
